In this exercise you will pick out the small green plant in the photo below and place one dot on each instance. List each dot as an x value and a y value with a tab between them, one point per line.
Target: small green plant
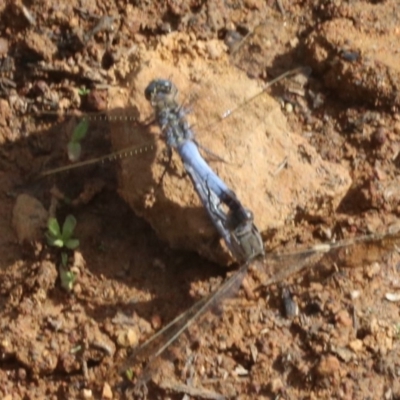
397	330
129	374
83	91
62	237
74	147
67	278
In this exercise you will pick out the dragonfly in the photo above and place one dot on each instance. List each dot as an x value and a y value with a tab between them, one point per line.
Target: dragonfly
235	224
143	148
213	192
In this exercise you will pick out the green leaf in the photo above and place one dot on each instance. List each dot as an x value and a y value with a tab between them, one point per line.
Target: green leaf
68	227
74	151
59	243
53	227
71	244
80	131
55	242
83	91
129	373
67	278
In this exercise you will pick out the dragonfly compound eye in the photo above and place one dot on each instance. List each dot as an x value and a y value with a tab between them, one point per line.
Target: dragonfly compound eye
158	86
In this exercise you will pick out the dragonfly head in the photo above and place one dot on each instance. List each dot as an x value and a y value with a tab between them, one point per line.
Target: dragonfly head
161	93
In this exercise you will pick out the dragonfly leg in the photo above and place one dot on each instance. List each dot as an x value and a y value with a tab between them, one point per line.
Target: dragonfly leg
211	153
167	164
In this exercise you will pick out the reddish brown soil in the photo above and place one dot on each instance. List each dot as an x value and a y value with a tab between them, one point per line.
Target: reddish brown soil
343	340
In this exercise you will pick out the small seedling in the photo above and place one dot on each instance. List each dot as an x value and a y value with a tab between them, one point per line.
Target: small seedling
129	374
62	238
397	330
67	278
83	91
74	147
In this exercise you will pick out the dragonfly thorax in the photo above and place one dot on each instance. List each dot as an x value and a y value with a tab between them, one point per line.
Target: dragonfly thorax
175	127
162	93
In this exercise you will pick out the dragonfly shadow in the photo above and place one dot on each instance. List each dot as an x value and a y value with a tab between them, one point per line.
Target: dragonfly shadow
134	272
127	269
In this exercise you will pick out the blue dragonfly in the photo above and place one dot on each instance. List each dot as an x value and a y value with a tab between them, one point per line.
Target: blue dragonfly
234	224
214	194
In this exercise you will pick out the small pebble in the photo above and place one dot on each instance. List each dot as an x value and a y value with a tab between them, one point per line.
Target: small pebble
254	352
276	385
128	338
166	27
397	127
343	318
77	289
378	138
328	366
291	307
350	56
74	22
344	354
107	392
96	100
355	294
388	394
316	287
214	49
356	345
232	38
289	107
156	322
241	371
87	394
294	42
3	46
373	270
21	374
393	297
29	218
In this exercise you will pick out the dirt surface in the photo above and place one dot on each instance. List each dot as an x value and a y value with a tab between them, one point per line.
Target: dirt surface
337	337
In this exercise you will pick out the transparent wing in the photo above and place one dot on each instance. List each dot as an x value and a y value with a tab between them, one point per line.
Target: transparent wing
84	141
275	268
228	115
128	138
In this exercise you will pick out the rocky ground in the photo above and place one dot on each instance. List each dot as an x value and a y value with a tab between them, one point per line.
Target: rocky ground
315	158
